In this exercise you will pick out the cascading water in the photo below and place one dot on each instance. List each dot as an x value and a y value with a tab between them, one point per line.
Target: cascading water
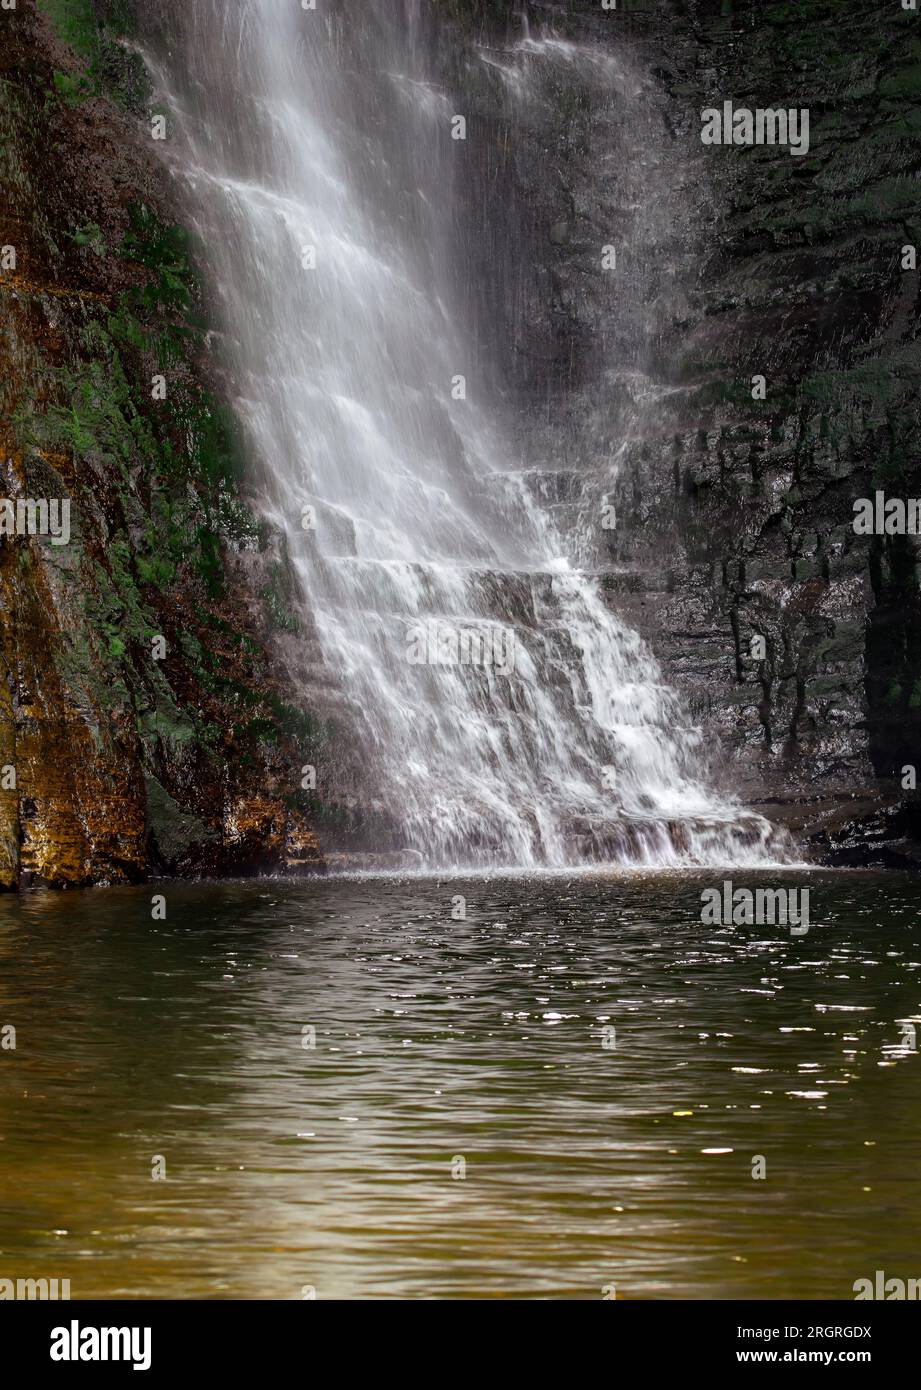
503	714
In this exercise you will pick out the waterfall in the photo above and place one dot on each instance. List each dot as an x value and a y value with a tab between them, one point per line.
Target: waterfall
498	709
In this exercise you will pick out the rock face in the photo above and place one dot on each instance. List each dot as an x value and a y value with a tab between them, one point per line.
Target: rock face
801	282
146	720
143	724
794	640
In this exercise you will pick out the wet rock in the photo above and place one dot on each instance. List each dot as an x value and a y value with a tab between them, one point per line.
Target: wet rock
141	692
737	512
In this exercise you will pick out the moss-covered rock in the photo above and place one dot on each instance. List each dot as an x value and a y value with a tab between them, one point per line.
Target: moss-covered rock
141	711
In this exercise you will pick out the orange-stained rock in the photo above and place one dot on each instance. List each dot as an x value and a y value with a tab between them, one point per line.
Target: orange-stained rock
303	854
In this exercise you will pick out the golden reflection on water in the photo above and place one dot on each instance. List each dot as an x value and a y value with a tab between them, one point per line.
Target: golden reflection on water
589	1158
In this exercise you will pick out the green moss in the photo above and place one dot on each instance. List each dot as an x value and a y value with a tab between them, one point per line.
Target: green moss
92	29
173	466
187	445
72	90
75	23
91	236
297	724
163	250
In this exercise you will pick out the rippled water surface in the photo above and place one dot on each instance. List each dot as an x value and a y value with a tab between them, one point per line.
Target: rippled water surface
338	1166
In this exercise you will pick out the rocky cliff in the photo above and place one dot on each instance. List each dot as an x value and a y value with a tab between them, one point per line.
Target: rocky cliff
794	640
146	720
801	281
143	724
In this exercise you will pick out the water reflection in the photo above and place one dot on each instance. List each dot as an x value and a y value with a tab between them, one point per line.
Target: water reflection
487	1039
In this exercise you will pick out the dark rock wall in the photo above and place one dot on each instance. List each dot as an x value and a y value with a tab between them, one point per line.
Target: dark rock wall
802	282
734	515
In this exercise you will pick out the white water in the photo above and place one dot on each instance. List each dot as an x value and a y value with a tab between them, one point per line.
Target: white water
291	131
